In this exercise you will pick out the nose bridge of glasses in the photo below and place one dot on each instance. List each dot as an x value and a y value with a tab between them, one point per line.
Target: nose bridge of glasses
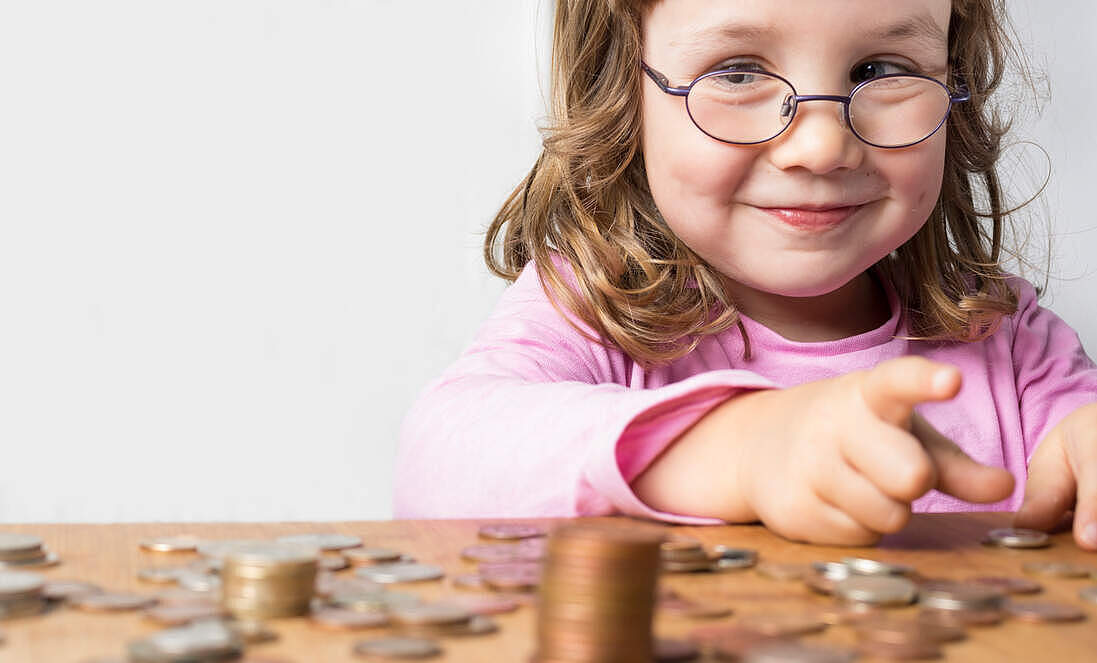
792	103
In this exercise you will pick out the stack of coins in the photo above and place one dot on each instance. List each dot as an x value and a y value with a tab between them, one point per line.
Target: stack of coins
21	594
200	642
18	550
597	596
263	580
961	603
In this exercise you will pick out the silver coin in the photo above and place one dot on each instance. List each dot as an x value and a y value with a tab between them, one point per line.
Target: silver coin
1011	537
1058	569
400	572
951	595
831	570
398	648
323	541
871	567
11	543
1088	594
197	582
269	552
218	549
160	575
47	559
876	590
728	559
17	584
202	640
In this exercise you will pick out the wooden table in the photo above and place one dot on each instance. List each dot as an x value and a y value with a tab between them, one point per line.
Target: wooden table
937	545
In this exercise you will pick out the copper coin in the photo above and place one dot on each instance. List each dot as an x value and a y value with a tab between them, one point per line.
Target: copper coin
171	544
1009	585
961	617
112	602
1044	611
782	625
398	647
484	604
675	651
179	614
347	620
63	590
511	531
909	651
511	575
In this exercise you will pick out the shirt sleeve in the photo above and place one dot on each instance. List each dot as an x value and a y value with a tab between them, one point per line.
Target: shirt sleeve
534	420
1054	375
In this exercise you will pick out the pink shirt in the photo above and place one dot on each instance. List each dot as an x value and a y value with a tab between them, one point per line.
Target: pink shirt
535	420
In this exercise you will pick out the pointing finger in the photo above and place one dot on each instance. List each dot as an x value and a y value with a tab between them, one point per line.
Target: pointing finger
894	387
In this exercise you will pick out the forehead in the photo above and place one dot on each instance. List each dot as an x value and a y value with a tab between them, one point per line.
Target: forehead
686	27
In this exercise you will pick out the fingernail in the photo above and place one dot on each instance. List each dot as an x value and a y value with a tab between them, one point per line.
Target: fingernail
942	379
1089	535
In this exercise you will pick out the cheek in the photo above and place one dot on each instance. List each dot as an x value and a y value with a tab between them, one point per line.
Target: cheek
689	173
915	177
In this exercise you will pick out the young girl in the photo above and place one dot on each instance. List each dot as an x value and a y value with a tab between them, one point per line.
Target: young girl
753	280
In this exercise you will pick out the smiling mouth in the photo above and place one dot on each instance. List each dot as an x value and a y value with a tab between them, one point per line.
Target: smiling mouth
812	219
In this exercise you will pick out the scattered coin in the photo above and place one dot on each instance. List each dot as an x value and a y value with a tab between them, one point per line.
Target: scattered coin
511	576
360	556
430	613
961	617
476	625
682	607
180	614
484	604
1010	537
163	575
871	567
1009	585
112	602
63	590
501	552
730	559
1044	611
171	544
511	531
327	542
13	544
198	582
783	625
400	572
1058	569
251	631
347	620
1088	594
905	631
397	647
905	651
796	652
332	563
783	571
883	590
200	641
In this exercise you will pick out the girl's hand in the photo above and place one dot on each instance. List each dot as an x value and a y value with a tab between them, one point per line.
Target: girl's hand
839	461
1063	475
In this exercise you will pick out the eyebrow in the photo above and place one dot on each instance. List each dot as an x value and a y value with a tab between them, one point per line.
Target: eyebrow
920	28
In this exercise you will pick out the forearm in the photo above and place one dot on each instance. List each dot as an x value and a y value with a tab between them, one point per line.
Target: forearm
703	472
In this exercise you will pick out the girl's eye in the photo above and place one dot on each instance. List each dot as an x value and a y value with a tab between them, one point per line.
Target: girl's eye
869	70
739	74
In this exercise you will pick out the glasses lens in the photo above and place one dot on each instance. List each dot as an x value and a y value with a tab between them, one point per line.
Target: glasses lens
898	110
739	107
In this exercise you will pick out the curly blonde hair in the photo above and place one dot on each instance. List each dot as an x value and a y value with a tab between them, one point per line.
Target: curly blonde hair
641	289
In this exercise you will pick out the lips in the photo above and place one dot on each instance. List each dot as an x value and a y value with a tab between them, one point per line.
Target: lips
812	218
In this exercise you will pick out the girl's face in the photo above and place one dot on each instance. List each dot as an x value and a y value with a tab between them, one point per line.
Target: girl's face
731	203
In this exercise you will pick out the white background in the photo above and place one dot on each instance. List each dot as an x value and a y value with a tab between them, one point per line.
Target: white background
238	237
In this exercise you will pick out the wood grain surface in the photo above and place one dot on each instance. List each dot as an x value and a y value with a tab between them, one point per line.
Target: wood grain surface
943	545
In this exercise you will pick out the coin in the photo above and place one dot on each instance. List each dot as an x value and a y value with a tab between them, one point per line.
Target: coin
323	541
871	567
902	631
430	613
510	531
181	543
1088	594
472	581
112	602
198	582
332	562
251	631
178	615
795	652
783	625
783	571
729	559
501	552
476	625
675	651
831	570
876	590
62	590
45	559
12	543
397	647
1058	569
517	576
1044	611
400	572
163	575
960	617
484	604
360	556
905	651
1009	585
18	584
347	620
950	595
1010	537
682	607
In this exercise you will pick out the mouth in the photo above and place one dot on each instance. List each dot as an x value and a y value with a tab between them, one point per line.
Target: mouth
813	218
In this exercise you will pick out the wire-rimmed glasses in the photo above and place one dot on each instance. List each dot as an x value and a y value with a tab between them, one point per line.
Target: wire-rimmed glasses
747	107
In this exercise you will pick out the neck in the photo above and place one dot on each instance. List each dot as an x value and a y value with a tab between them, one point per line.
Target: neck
855	308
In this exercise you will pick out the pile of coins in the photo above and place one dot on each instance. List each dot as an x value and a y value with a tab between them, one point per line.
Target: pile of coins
687	555
199	642
597	596
262	579
24	550
21	594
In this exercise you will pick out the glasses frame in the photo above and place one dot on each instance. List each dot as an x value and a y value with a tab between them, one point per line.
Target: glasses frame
960	96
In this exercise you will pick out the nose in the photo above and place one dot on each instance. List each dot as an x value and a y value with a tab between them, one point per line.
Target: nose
818	140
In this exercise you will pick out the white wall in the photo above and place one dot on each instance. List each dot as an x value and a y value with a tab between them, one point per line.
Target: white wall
236	239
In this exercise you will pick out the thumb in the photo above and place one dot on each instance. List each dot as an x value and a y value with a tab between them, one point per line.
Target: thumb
957	473
1050	489
892	388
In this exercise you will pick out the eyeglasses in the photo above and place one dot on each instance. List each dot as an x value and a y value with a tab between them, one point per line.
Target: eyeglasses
751	107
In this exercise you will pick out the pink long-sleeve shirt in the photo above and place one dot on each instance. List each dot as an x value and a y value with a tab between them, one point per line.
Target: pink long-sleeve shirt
535	420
